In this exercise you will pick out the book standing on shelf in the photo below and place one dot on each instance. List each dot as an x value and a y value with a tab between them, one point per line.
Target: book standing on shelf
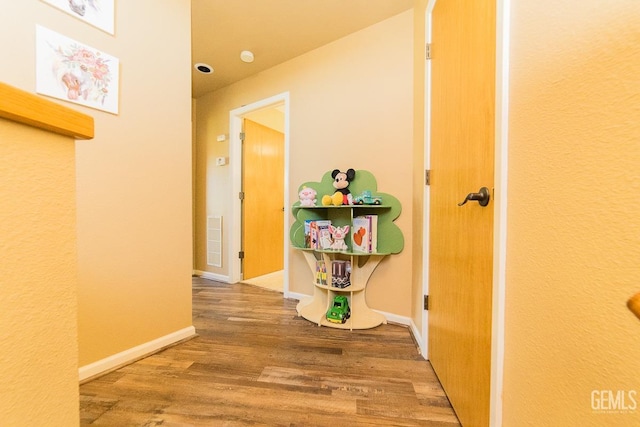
319	234
373	241
321	272
360	234
340	274
364	235
307	233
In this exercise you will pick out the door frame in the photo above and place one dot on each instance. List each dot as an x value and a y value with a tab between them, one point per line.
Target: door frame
500	202
235	160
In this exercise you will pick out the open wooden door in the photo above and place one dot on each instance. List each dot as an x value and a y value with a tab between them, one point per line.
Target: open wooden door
463	58
263	204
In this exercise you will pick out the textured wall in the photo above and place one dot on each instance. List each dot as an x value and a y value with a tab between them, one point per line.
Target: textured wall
133	179
134	189
573	216
38	278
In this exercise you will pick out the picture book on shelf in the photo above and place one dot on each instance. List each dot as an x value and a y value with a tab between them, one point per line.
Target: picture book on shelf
340	274
319	234
373	241
360	234
364	234
307	233
321	272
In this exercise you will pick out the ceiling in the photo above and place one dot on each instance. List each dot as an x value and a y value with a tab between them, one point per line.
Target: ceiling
274	30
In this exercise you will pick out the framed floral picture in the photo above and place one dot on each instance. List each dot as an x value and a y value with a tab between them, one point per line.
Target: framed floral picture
74	72
99	13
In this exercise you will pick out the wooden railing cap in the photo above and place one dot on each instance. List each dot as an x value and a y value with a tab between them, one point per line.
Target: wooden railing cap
33	110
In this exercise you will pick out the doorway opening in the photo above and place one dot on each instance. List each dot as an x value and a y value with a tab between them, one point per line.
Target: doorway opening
271	114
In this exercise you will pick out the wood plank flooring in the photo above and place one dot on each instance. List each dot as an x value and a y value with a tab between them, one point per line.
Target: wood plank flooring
256	363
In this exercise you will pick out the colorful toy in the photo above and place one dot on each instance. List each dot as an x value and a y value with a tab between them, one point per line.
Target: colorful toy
339	311
341	182
307	196
338	235
367	199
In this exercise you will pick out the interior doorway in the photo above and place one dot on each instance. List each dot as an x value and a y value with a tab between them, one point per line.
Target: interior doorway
263	198
271	115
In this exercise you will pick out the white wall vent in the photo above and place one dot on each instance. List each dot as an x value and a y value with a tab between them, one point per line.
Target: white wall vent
214	241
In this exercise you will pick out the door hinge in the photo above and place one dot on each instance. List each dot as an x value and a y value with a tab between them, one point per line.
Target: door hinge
427	177
241	195
426	302
242	136
241	254
428	51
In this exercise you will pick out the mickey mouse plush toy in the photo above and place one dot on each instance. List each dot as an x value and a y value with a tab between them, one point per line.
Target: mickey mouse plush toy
341	182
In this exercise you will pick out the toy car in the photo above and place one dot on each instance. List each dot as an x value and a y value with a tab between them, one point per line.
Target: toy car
367	199
339	311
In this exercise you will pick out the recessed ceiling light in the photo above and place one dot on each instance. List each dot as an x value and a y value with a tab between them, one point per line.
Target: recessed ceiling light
203	68
246	56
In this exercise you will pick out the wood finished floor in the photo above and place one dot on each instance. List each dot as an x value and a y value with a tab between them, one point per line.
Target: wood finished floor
256	363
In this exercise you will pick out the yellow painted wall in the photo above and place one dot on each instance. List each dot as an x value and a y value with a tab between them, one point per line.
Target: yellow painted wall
38	278
134	179
351	106
573	218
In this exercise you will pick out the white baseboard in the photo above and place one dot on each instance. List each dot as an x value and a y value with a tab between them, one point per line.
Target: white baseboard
394	318
133	354
418	337
295	295
408	322
212	276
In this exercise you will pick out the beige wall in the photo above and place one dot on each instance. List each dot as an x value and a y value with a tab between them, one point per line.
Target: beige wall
38	278
573	216
134	178
351	106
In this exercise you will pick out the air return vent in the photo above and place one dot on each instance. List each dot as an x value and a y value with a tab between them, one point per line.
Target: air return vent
214	241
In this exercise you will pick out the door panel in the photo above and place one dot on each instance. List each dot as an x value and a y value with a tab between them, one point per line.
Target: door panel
461	237
262	214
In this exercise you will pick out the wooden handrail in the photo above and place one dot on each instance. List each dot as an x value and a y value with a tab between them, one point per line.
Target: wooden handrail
30	109
634	304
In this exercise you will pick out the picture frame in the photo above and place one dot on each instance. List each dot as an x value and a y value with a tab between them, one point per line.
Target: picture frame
71	71
99	13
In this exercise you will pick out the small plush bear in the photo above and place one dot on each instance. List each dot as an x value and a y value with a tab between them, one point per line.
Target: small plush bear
341	182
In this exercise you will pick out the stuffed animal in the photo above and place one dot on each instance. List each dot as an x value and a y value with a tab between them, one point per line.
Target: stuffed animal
341	182
307	196
338	234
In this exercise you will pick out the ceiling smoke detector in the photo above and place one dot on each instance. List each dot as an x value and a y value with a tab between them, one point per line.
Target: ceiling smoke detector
246	56
203	68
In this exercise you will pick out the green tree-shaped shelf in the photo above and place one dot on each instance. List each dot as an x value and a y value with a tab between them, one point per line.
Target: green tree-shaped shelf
390	238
